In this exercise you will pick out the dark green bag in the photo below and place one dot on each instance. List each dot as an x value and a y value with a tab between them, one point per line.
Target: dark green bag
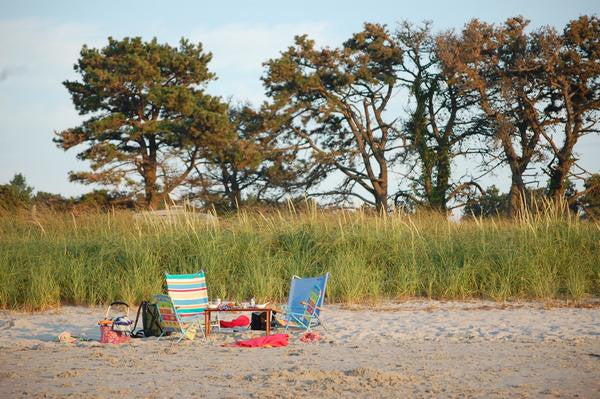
150	321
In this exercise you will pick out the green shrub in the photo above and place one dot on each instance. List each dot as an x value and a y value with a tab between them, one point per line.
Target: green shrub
54	258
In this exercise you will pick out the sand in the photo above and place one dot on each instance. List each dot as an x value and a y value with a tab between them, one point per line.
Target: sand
416	349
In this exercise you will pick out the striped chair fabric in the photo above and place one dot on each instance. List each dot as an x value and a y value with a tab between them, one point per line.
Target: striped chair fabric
188	293
311	305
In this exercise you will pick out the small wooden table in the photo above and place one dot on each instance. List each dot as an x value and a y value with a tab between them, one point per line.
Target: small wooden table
208	311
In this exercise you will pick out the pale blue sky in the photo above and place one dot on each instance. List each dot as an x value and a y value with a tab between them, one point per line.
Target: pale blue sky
40	41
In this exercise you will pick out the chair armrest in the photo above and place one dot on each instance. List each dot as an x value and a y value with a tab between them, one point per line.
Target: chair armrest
306	304
280	309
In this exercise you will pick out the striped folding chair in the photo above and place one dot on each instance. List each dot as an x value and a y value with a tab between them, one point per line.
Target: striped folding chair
188	298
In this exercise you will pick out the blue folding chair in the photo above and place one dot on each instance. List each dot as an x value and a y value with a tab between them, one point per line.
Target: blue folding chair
304	302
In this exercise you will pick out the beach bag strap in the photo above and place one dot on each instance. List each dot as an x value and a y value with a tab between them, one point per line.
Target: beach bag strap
140	333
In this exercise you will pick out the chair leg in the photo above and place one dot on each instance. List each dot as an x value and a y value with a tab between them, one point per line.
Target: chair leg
299	323
184	331
199	327
218	320
193	324
203	332
182	336
321	323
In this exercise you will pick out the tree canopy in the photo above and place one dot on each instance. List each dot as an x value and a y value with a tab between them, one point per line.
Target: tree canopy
148	114
381	117
251	159
335	101
539	89
441	122
16	194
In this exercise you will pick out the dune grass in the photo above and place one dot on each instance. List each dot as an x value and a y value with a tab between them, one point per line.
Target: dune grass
50	259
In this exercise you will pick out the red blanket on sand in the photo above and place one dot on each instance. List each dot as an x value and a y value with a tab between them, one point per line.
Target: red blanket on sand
241	321
268	341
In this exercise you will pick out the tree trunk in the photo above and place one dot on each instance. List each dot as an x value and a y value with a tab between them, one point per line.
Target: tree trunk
560	172
518	165
150	188
557	181
438	203
380	200
380	186
516	194
440	199
235	194
150	177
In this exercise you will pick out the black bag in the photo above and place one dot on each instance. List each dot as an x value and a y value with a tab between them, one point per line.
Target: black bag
259	321
150	321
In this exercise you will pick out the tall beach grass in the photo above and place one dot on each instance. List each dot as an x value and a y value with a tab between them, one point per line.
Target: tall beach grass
47	259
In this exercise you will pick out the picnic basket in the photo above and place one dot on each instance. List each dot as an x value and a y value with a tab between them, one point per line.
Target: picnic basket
115	330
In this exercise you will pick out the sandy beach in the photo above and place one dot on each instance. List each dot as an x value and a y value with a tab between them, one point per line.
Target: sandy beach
416	348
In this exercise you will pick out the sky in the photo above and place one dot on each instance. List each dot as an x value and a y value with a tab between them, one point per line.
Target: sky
40	41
